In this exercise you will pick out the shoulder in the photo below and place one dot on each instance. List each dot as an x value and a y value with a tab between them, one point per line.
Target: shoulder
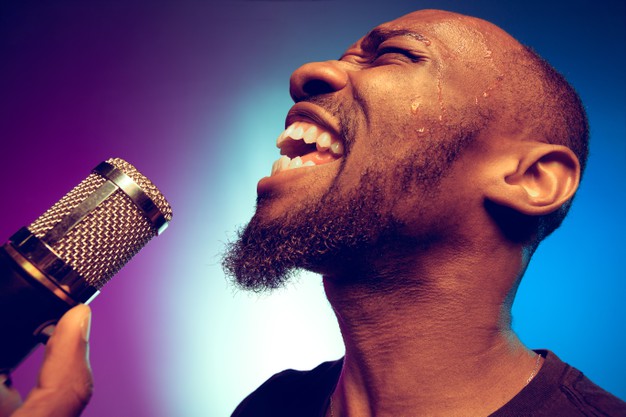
588	397
293	392
562	390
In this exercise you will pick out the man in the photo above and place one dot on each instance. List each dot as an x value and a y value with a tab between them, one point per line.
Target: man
419	173
442	152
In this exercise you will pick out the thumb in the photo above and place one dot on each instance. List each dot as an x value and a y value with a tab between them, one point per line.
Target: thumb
9	397
65	383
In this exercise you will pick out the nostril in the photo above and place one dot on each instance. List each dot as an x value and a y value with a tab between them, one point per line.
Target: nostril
317	87
317	78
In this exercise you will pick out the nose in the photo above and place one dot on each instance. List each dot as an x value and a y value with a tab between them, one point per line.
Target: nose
317	78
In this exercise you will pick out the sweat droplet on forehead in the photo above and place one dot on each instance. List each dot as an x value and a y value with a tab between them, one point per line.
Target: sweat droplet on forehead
379	35
419	37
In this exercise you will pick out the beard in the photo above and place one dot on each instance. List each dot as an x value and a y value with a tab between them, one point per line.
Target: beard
328	234
342	232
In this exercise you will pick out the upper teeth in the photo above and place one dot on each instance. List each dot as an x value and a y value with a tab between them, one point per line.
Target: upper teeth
309	134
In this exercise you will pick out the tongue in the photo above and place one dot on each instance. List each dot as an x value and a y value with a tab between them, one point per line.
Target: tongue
319	158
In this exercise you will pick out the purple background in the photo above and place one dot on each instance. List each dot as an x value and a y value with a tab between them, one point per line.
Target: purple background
193	94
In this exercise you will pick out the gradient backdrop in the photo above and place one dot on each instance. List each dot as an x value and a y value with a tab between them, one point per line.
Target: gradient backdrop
194	94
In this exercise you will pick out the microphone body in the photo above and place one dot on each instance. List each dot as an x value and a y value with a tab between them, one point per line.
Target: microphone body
65	256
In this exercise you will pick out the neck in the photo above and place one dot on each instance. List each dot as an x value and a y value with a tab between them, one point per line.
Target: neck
436	344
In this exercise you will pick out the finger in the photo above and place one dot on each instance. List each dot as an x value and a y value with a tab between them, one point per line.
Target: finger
65	383
9	397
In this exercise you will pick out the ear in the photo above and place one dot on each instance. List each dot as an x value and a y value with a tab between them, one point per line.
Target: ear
546	176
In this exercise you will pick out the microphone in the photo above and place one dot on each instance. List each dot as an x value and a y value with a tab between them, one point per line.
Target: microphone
71	251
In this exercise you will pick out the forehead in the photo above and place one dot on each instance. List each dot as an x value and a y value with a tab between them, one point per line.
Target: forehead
446	31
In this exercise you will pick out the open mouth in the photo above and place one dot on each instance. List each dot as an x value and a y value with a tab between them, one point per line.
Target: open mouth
304	144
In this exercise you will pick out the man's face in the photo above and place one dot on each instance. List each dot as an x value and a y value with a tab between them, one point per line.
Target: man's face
376	133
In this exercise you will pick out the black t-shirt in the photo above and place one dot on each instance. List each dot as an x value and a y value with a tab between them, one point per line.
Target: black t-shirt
557	390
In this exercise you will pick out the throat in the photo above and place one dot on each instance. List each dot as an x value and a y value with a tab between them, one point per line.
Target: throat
412	351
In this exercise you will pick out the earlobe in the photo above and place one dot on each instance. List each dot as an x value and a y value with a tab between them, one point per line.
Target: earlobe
545	178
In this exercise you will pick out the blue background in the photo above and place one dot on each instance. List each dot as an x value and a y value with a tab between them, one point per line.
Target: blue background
194	94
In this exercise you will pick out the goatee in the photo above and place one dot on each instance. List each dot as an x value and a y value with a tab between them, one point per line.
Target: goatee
328	234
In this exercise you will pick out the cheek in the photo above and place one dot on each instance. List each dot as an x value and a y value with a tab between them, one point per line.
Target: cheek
396	95
471	85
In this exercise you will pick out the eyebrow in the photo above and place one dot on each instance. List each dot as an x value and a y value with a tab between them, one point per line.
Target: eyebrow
377	36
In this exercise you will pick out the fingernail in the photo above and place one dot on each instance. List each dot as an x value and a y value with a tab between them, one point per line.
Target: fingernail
6	380
85	326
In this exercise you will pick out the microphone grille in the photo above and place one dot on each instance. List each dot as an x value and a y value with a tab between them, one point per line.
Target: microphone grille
145	184
108	233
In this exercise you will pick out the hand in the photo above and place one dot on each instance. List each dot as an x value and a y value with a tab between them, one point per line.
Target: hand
65	383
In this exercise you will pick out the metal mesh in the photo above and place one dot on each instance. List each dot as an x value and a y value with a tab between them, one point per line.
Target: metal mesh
145	184
64	206
110	235
106	239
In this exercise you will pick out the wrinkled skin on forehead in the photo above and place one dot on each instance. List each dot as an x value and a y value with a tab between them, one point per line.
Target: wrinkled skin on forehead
404	125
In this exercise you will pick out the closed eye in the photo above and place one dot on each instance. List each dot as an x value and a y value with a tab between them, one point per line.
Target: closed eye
390	52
